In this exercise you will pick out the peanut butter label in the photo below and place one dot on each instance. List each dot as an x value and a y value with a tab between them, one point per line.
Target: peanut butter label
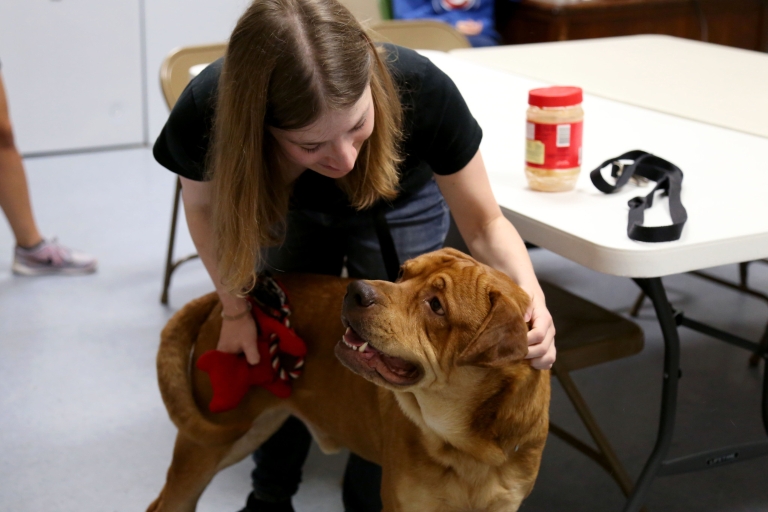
534	151
553	146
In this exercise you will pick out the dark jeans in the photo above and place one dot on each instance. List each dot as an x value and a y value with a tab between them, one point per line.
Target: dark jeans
323	243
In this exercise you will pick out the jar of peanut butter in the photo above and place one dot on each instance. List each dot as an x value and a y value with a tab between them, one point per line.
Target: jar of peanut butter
553	132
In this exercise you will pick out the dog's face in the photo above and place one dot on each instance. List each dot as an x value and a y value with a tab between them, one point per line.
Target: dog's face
444	312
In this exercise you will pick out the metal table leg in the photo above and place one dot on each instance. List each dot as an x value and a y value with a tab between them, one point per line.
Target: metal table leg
656	465
654	289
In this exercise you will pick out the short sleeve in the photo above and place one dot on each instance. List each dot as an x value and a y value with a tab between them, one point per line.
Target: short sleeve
182	145
447	134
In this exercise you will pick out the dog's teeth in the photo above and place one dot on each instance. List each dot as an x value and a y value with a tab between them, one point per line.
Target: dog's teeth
363	347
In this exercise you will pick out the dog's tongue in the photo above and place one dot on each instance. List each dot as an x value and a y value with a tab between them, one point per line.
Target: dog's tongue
394	367
377	360
396	364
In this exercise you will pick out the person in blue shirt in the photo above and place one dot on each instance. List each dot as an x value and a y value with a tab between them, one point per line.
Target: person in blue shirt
473	18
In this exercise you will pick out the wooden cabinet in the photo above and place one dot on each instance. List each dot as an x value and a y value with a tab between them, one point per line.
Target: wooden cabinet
739	23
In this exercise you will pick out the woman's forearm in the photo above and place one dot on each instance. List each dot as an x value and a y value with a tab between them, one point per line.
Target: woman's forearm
238	332
499	245
490	237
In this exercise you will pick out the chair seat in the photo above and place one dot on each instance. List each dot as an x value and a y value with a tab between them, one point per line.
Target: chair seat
588	334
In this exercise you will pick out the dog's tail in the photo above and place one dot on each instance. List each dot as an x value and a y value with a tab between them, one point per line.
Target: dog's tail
174	359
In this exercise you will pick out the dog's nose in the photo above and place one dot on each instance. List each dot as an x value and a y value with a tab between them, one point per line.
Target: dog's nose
360	294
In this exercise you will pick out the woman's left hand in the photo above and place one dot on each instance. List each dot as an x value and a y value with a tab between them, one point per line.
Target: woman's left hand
541	337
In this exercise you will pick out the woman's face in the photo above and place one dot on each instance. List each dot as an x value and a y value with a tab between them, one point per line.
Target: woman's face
330	145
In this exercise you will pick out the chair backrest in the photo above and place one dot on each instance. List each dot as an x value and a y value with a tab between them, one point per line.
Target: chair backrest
368	11
175	69
419	34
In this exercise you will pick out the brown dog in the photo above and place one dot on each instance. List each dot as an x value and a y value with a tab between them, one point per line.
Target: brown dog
448	406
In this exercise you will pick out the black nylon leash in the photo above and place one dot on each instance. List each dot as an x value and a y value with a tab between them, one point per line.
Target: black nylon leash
669	180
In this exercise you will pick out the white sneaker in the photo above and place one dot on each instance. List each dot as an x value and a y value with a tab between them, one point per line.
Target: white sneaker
49	257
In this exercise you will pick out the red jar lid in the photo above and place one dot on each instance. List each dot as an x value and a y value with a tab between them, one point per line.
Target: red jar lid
557	96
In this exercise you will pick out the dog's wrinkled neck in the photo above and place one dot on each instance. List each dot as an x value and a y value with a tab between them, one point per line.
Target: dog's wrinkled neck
454	417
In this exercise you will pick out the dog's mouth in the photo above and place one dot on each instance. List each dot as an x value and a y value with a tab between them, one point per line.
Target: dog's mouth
365	359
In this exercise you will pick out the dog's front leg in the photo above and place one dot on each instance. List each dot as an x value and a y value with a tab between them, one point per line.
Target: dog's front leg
390	500
192	468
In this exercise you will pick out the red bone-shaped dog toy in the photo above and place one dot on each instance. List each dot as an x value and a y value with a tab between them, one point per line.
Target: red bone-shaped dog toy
231	375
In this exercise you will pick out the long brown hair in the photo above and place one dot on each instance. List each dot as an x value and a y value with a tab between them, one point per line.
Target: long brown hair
287	62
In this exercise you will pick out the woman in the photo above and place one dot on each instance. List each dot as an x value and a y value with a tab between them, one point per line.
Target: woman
288	148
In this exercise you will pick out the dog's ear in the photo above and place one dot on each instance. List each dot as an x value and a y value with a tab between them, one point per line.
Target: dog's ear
501	339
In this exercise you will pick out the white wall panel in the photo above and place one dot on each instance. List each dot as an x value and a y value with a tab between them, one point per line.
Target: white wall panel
173	23
73	74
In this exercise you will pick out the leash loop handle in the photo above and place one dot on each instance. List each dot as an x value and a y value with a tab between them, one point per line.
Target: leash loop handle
669	181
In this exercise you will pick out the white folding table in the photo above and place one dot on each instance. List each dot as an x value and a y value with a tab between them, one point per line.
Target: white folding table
724	186
705	82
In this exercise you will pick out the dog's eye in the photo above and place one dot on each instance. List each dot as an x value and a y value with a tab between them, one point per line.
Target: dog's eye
434	303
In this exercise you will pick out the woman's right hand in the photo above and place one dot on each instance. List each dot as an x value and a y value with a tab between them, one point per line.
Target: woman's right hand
240	336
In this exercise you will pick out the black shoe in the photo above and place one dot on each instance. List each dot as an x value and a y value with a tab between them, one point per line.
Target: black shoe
256	505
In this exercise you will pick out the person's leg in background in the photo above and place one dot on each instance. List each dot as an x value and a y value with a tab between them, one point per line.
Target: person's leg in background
33	255
418	224
14	193
312	245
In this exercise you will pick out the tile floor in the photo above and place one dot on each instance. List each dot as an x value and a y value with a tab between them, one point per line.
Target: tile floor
82	426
